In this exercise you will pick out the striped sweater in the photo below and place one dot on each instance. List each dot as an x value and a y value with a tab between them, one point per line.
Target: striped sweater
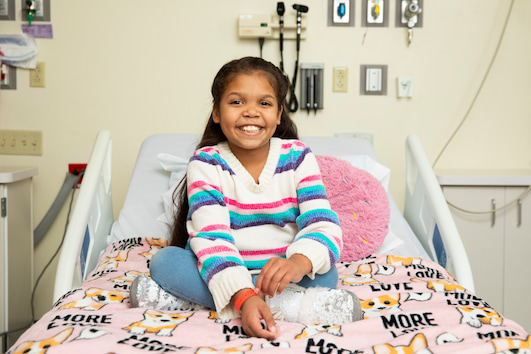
237	225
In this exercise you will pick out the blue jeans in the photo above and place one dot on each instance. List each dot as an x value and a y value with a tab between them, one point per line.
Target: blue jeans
175	270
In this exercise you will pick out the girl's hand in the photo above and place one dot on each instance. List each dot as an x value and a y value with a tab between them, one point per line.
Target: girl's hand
253	311
278	272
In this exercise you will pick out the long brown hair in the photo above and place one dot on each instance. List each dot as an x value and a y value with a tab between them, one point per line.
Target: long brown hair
214	135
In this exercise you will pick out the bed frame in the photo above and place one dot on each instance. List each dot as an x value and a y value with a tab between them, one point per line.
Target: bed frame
92	218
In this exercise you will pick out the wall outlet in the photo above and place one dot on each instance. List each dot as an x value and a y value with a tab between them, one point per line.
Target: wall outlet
38	75
21	142
340	79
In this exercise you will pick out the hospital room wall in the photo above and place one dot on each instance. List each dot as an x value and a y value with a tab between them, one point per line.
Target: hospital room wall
138	68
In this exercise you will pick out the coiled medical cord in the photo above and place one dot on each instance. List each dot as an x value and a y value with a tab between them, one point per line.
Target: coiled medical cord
465	117
293	103
3	334
521	196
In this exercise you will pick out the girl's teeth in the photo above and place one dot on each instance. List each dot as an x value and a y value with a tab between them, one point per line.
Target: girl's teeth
250	129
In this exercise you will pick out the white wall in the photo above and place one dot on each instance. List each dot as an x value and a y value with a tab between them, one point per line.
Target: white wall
139	68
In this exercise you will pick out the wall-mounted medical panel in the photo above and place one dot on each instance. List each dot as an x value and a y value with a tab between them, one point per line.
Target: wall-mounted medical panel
375	13
341	12
311	86
409	13
41	10
268	26
255	26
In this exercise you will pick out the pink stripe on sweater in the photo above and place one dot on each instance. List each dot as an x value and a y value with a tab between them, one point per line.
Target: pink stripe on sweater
215	227
201	185
311	178
210	228
293	143
311	181
218	250
257	206
261	252
207	149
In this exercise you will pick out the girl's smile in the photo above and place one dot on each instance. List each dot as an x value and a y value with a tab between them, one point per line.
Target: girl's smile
248	114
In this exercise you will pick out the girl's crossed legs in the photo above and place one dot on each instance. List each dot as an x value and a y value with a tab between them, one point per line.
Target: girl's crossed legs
175	270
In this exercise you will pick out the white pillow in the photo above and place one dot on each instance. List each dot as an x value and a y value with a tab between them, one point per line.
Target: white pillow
364	162
174	164
177	167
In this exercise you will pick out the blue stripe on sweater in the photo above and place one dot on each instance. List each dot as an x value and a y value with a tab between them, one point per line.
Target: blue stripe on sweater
333	252
317	215
311	193
259	264
291	161
214	265
202	198
240	221
216	235
214	160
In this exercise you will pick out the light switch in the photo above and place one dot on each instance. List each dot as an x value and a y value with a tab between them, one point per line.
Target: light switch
373	79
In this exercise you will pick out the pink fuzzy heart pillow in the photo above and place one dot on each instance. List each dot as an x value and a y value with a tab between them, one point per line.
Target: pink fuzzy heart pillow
361	204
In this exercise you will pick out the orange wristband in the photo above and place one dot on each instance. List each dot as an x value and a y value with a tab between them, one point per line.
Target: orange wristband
242	298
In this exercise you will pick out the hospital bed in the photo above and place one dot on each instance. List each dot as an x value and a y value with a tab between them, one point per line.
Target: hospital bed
420	274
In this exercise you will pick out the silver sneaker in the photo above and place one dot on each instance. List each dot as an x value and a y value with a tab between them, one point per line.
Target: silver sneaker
144	292
315	306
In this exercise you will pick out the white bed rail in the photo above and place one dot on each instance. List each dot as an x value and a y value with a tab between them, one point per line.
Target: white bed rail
428	215
425	210
90	222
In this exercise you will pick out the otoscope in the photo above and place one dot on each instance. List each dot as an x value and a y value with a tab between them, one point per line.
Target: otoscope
280	12
293	103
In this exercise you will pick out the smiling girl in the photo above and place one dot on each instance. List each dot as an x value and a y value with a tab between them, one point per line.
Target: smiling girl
254	219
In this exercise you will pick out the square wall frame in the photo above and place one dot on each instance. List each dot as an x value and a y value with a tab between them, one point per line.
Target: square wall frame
7	10
11	83
44	15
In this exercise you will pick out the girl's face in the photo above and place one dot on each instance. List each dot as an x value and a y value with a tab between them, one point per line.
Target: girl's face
248	113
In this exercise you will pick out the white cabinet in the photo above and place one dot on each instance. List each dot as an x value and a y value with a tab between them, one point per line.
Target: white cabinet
498	243
16	250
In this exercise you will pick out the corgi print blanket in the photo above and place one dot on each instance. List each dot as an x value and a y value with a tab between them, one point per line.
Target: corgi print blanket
410	305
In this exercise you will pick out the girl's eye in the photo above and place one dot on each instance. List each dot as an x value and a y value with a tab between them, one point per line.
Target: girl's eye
236	102
265	103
